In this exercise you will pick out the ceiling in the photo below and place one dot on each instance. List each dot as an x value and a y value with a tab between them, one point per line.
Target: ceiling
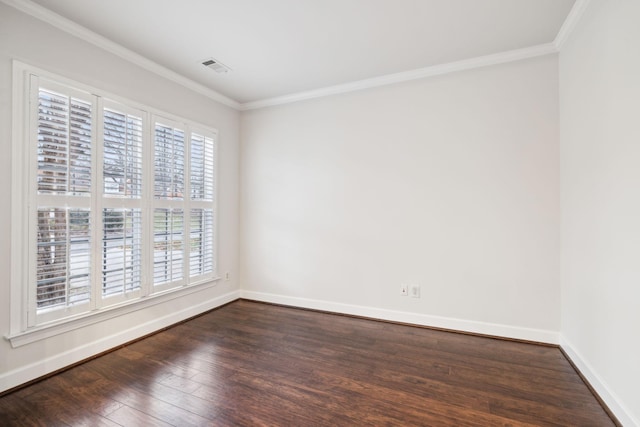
282	47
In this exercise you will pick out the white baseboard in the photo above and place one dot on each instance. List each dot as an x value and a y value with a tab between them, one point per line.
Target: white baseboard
28	373
599	385
43	367
498	330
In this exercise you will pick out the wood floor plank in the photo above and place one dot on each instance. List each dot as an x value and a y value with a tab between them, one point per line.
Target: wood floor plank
152	397
255	364
127	416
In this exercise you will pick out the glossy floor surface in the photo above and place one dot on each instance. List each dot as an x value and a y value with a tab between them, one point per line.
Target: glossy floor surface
249	363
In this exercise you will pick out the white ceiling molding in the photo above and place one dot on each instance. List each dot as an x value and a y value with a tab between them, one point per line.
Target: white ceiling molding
578	9
64	24
87	35
436	70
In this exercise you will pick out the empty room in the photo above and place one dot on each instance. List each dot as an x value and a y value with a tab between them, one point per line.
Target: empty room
320	212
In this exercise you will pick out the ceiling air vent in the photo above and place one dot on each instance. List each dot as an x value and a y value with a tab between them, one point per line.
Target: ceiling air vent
216	66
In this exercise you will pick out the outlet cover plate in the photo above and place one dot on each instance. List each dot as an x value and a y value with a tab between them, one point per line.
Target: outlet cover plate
415	291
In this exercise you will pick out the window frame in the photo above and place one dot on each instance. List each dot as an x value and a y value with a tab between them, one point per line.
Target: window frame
23	328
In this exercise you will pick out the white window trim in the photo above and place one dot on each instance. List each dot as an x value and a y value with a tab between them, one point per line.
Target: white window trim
20	334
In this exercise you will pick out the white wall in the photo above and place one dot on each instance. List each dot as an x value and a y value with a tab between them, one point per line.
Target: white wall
449	182
31	41
600	164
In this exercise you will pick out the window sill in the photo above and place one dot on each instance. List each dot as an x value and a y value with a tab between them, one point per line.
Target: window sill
60	327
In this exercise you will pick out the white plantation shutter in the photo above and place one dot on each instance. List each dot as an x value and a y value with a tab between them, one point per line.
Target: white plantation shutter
168	245
169	147
64	256
122	154
201	242
64	144
121	251
201	202
62	220
202	167
121	214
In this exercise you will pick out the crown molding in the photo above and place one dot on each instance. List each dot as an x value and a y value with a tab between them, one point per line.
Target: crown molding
436	70
64	24
89	36
578	9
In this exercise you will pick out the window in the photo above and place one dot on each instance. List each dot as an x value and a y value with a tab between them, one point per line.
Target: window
117	202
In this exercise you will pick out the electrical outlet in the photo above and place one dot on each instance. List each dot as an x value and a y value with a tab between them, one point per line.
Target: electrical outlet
227	275
415	291
404	290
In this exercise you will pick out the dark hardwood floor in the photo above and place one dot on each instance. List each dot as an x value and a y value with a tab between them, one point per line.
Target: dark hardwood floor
249	363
